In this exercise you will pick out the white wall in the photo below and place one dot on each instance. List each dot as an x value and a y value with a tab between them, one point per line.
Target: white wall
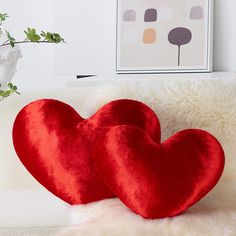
225	35
89	28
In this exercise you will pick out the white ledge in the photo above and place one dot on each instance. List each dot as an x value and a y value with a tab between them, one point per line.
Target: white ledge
101	79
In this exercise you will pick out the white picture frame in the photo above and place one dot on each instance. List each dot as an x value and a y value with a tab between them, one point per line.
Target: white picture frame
153	36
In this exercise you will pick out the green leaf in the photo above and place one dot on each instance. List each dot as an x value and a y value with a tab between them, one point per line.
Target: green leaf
10	85
52	37
32	35
7	93
43	34
11	39
3	17
12	44
2	92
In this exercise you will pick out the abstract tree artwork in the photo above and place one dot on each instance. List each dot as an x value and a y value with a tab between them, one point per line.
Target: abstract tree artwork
179	36
164	36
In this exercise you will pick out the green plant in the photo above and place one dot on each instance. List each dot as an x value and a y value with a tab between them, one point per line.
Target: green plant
11	88
31	36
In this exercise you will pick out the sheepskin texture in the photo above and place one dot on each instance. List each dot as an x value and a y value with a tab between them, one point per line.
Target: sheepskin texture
29	231
31	212
213	216
179	104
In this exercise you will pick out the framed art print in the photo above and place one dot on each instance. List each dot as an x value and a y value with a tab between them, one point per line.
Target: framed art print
164	36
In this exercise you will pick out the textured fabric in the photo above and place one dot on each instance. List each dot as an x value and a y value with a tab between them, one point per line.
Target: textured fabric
158	180
215	215
55	144
31	213
32	208
30	231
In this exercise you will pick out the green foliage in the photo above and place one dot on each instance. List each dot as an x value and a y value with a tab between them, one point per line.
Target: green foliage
10	90
52	37
31	35
11	40
3	17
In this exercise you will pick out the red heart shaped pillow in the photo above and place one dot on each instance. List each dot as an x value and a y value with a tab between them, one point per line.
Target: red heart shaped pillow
55	144
158	180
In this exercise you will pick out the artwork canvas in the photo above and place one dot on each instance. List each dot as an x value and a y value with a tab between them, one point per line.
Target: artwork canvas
164	36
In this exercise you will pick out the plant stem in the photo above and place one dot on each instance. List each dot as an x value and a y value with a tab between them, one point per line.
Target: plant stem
21	42
5	42
179	55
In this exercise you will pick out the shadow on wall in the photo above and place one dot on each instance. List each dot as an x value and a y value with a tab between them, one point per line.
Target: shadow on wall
224	35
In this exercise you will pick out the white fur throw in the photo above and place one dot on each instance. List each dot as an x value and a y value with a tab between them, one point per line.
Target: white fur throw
180	104
213	216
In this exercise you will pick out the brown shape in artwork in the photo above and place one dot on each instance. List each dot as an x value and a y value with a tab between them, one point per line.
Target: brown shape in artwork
179	36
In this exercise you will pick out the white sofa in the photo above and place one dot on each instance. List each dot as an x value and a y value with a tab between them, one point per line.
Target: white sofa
26	208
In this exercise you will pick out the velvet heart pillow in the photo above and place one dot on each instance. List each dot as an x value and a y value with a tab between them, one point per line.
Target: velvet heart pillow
158	180
55	144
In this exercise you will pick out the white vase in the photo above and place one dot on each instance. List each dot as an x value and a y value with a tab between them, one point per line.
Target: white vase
8	63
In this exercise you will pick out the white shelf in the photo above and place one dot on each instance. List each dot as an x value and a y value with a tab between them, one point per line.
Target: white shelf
98	80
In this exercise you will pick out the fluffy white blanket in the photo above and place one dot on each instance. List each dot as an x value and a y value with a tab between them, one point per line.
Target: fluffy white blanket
31	213
215	215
